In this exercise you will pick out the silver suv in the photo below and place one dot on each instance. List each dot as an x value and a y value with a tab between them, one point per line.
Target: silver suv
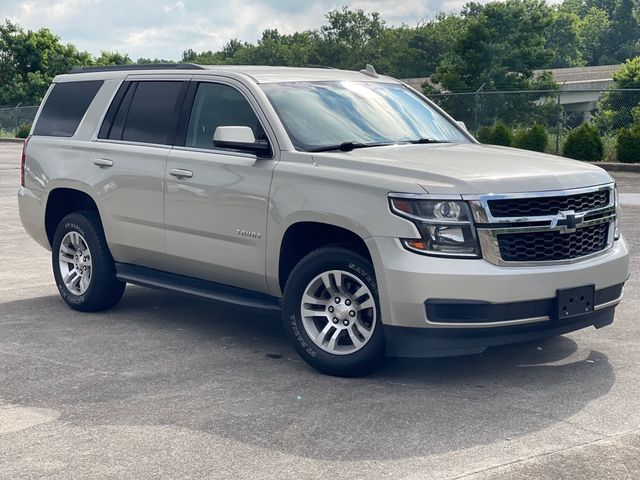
373	220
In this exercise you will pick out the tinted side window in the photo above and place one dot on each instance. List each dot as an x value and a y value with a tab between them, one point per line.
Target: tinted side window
153	112
66	105
217	105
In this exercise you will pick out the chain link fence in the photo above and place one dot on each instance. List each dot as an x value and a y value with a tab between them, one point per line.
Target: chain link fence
559	111
11	118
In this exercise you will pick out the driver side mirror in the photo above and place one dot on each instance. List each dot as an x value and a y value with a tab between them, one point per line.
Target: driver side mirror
462	124
241	138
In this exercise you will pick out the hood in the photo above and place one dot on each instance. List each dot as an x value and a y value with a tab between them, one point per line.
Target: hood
469	168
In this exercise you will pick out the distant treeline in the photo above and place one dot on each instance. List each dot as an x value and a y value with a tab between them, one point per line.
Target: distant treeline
496	45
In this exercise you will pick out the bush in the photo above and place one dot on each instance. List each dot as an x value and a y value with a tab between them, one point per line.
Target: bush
499	134
584	143
534	138
23	130
483	135
628	146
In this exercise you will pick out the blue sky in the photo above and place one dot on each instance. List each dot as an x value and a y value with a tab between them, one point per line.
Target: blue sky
165	28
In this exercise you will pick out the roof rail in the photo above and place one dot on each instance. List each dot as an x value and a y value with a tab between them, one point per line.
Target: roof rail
139	66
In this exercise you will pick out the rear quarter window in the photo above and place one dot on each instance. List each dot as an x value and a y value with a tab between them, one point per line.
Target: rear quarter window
65	106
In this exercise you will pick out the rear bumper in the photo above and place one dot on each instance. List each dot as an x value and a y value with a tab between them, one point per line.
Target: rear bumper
32	215
442	342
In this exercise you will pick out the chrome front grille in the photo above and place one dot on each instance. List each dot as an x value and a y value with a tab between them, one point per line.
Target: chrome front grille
535	207
544	227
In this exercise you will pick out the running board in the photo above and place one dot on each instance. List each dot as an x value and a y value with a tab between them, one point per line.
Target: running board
148	277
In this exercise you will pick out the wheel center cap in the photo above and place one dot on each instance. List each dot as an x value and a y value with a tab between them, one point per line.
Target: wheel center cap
342	312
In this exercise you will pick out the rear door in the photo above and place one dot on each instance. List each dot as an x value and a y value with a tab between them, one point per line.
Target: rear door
128	164
216	215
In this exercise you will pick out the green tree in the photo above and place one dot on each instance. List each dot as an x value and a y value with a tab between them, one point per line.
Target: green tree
29	60
592	30
617	107
623	36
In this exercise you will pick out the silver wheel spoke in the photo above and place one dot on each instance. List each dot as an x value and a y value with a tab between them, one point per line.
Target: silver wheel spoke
76	281
354	338
361	291
337	276
69	257
307	312
84	282
309	300
66	250
326	281
333	339
321	337
368	303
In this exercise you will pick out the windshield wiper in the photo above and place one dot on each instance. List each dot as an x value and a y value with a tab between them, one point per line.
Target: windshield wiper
347	146
428	140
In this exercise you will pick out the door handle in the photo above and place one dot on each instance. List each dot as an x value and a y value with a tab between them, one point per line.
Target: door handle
180	173
103	162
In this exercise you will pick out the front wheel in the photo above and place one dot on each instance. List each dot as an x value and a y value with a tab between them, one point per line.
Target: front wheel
331	312
82	264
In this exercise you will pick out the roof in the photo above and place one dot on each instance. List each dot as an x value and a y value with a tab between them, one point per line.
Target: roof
257	73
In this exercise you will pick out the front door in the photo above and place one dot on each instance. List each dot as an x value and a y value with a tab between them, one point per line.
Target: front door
216	199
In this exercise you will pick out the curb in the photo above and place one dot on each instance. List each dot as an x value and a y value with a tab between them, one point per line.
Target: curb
11	140
618	166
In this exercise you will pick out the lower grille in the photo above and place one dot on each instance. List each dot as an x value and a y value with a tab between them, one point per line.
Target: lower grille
553	246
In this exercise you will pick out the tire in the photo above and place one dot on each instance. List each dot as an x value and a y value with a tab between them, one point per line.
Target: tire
359	347
97	287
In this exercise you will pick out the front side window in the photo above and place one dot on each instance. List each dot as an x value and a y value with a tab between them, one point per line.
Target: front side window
319	115
217	105
66	105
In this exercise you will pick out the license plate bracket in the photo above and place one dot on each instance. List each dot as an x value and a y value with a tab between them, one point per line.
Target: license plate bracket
571	302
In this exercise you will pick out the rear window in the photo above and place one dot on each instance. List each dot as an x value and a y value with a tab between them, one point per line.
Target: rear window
147	112
66	105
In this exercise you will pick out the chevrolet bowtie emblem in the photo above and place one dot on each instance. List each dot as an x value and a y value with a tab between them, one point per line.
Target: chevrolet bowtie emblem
567	221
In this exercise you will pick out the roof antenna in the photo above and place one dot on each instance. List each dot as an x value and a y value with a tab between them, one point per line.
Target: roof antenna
369	70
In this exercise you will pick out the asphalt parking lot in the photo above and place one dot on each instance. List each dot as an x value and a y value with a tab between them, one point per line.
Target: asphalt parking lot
167	386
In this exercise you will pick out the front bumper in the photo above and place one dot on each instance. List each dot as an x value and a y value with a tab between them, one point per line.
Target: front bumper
407	281
444	342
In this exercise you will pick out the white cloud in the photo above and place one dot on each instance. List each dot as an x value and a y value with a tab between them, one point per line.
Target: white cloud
176	6
165	28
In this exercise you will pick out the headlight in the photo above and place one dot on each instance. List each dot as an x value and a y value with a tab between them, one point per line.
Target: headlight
445	226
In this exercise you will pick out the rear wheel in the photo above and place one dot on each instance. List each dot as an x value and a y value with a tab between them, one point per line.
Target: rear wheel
331	312
82	264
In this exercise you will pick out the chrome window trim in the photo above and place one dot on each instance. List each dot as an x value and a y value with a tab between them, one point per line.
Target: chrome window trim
219	151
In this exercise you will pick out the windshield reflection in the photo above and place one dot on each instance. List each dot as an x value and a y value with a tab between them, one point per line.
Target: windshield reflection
321	115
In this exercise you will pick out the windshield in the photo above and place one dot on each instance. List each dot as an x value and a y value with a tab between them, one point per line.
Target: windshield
326	115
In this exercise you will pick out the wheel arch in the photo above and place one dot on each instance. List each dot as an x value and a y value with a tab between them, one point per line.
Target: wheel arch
302	237
62	201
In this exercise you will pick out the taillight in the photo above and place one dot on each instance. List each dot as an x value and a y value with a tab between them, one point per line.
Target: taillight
22	160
